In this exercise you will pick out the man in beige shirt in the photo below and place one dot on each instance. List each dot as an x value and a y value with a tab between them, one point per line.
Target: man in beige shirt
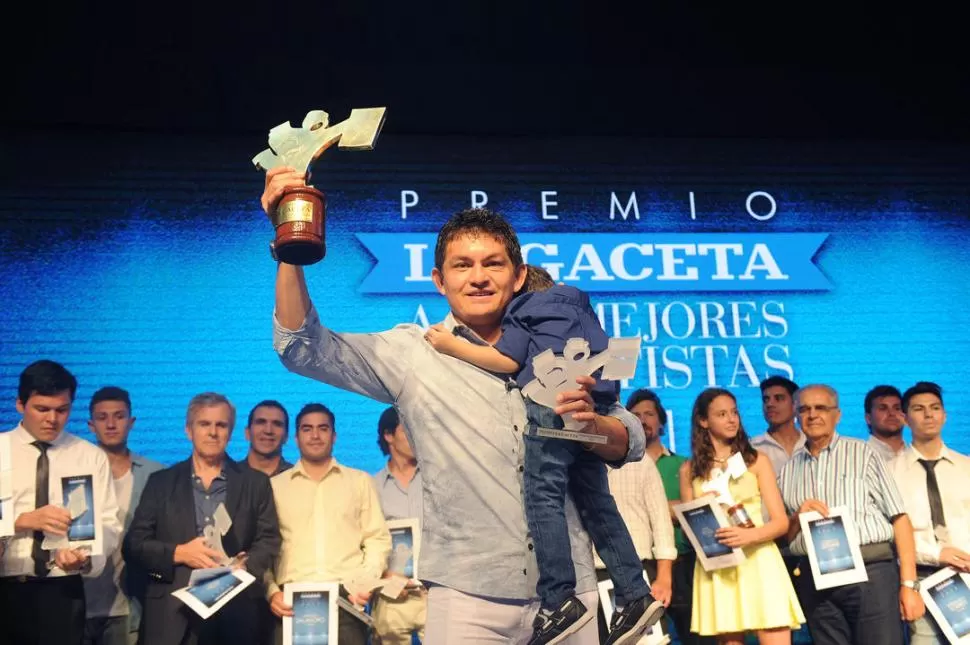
331	523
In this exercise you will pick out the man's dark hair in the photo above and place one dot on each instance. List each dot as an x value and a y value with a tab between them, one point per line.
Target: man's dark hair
386	425
45	378
477	221
643	394
536	279
923	387
110	393
316	407
779	381
878	392
270	403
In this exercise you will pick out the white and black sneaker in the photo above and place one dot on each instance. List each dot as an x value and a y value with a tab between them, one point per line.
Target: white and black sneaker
629	623
554	627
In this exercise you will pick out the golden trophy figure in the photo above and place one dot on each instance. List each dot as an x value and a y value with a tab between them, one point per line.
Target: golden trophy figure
299	218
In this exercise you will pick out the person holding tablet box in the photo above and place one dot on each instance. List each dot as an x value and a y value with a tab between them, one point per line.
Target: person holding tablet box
757	594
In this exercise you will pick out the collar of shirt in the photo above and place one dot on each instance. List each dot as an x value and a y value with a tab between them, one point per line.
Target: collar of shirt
769	437
385	473
299	470
137	460
883	449
221	475
804	449
460	329
21	434
912	455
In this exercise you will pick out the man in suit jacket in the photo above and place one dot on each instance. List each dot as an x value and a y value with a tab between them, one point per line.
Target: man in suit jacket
165	537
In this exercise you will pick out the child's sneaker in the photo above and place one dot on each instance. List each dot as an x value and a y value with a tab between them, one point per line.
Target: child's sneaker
554	627
629	623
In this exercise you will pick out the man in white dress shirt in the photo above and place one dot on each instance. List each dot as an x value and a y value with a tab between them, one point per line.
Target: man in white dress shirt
782	438
884	416
935	485
41	592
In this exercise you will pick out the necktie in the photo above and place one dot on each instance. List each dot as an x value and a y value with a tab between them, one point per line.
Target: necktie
41	483
933	491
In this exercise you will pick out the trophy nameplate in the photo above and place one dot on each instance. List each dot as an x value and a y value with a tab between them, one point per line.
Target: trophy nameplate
300	215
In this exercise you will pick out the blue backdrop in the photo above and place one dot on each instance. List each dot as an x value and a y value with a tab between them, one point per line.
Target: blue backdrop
142	261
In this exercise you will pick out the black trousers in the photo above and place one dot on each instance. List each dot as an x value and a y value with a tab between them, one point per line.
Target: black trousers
860	614
237	623
41	611
682	601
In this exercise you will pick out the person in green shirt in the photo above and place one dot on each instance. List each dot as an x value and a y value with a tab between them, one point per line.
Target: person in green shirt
646	406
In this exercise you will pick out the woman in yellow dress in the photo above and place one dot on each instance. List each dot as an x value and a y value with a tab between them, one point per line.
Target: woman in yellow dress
757	595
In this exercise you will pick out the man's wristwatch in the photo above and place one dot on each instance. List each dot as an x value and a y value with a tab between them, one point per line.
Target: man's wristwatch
910	584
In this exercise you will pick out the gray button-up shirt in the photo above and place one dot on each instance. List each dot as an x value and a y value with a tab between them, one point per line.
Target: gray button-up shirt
396	502
207	501
465	426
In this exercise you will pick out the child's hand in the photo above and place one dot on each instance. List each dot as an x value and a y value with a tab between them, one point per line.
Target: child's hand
440	338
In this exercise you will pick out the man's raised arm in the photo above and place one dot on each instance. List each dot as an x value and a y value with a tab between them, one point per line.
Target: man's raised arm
374	365
292	297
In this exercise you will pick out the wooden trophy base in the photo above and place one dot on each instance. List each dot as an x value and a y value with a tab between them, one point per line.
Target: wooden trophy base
299	221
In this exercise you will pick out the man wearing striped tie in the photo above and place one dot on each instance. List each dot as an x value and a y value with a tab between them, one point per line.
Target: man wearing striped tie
830	471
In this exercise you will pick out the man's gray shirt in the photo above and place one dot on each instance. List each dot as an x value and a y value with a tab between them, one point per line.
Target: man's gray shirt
465	426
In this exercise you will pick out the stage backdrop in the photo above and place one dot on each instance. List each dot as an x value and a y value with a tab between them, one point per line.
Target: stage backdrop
142	261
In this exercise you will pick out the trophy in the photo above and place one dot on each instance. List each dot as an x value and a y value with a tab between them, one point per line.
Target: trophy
719	485
555	374
299	216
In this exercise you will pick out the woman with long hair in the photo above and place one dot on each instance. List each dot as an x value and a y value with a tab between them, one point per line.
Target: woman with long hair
757	595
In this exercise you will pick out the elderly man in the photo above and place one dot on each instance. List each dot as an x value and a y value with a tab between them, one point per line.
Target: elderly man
464	424
829	471
935	483
166	535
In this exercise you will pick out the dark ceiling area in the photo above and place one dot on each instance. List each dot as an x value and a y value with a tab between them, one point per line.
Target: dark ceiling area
542	69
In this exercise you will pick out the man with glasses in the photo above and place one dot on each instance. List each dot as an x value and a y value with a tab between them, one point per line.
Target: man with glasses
832	471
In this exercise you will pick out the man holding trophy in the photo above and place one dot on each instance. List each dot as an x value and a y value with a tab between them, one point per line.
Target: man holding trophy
478	558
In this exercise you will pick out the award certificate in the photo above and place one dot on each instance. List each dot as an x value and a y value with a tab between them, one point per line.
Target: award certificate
314	620
833	549
405	547
947	597
211	595
700	519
